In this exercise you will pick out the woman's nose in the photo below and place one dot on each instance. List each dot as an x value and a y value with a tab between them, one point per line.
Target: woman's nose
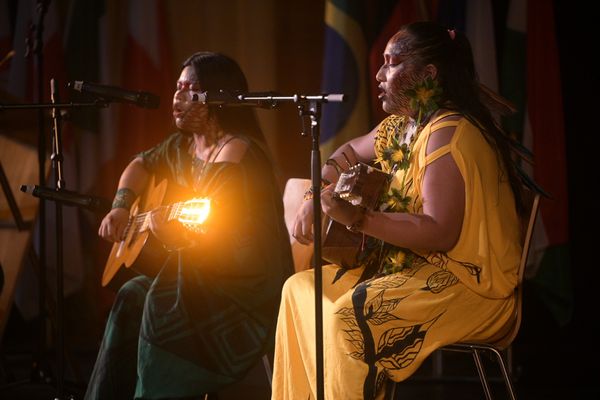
380	76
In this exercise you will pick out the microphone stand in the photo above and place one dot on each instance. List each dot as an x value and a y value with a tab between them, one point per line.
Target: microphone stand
313	111
309	106
57	165
38	47
57	159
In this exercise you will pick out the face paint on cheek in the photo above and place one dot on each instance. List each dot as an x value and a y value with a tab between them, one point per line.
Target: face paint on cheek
194	117
399	101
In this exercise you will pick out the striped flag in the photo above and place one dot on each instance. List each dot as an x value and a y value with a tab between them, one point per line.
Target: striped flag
82	30
479	27
146	67
344	71
392	15
355	37
476	19
531	80
22	81
545	112
137	59
23	84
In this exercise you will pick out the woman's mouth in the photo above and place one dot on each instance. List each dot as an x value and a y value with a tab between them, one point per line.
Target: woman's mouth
178	111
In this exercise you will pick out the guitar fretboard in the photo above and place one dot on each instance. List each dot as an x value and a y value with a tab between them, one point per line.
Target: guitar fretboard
141	222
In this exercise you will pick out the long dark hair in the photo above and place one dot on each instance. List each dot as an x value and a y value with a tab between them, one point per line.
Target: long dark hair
215	72
450	51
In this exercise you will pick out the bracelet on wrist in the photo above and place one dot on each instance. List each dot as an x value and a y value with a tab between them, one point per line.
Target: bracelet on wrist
333	163
357	225
308	195
124	198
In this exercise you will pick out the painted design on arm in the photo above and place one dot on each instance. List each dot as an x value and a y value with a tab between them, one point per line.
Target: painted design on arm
124	198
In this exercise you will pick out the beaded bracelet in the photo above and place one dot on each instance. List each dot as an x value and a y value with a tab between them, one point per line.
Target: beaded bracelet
333	163
308	195
124	198
357	225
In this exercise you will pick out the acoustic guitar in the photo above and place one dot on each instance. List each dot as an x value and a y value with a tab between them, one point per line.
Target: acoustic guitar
362	185
191	213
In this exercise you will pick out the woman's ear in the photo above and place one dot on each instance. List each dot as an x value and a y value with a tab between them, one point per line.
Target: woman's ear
431	70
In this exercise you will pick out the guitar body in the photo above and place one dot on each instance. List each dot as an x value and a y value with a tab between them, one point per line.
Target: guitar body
362	186
340	246
127	250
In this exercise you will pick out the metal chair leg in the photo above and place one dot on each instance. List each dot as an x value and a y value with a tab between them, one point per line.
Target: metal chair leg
268	370
391	393
507	380
481	372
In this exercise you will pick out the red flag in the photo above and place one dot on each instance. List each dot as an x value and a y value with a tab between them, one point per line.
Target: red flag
146	67
145	59
545	109
404	12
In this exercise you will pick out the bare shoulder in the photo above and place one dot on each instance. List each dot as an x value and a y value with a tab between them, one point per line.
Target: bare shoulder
233	151
441	133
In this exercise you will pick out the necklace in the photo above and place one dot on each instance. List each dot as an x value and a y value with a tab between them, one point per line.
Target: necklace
199	166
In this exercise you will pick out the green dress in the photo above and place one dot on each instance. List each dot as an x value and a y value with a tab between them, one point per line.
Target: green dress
210	313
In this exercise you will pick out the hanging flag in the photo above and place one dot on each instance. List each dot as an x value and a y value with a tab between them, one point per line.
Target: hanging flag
22	79
138	59
23	84
545	111
391	16
83	29
146	67
479	28
6	51
475	18
82	58
531	81
344	71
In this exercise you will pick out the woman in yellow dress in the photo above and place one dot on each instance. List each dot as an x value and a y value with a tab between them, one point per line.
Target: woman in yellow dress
441	252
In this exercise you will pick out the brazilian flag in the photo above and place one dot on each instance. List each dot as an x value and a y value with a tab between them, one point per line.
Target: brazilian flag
345	71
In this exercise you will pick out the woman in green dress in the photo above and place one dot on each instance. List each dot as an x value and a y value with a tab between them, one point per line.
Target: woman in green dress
207	313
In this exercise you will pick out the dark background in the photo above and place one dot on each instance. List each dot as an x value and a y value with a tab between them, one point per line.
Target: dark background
552	361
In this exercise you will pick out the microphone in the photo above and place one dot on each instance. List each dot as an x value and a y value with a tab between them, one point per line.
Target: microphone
141	99
96	204
226	98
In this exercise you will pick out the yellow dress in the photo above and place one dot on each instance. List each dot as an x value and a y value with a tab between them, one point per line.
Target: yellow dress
387	325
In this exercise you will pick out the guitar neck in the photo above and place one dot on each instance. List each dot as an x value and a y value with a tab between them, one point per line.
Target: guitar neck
141	222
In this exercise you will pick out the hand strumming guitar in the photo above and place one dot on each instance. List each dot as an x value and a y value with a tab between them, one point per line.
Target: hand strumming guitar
113	225
339	210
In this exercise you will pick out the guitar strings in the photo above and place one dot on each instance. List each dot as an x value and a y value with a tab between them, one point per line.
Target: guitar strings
139	220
